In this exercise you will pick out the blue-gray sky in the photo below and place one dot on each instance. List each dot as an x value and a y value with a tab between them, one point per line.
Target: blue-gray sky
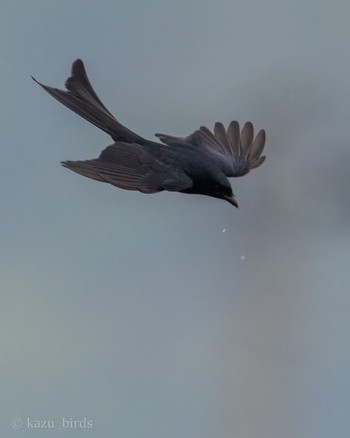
173	315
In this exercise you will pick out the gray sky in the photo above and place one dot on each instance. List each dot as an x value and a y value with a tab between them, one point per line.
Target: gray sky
139	312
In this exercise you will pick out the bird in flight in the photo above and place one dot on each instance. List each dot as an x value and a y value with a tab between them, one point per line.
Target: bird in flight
200	163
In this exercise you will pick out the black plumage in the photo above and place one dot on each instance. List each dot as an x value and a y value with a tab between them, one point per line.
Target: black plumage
200	163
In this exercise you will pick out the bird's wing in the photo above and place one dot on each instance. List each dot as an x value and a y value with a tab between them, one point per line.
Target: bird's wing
235	152
81	98
132	167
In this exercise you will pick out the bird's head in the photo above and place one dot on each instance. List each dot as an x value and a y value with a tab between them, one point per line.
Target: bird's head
221	188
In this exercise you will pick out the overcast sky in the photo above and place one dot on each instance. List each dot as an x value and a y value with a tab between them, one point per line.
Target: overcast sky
173	315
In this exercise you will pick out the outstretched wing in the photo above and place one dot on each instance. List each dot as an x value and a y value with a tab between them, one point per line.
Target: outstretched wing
82	99
235	152
132	167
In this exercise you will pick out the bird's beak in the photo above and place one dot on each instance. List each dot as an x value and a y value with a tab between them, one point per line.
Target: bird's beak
232	200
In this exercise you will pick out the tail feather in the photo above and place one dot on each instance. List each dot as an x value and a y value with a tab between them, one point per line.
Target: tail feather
82	99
